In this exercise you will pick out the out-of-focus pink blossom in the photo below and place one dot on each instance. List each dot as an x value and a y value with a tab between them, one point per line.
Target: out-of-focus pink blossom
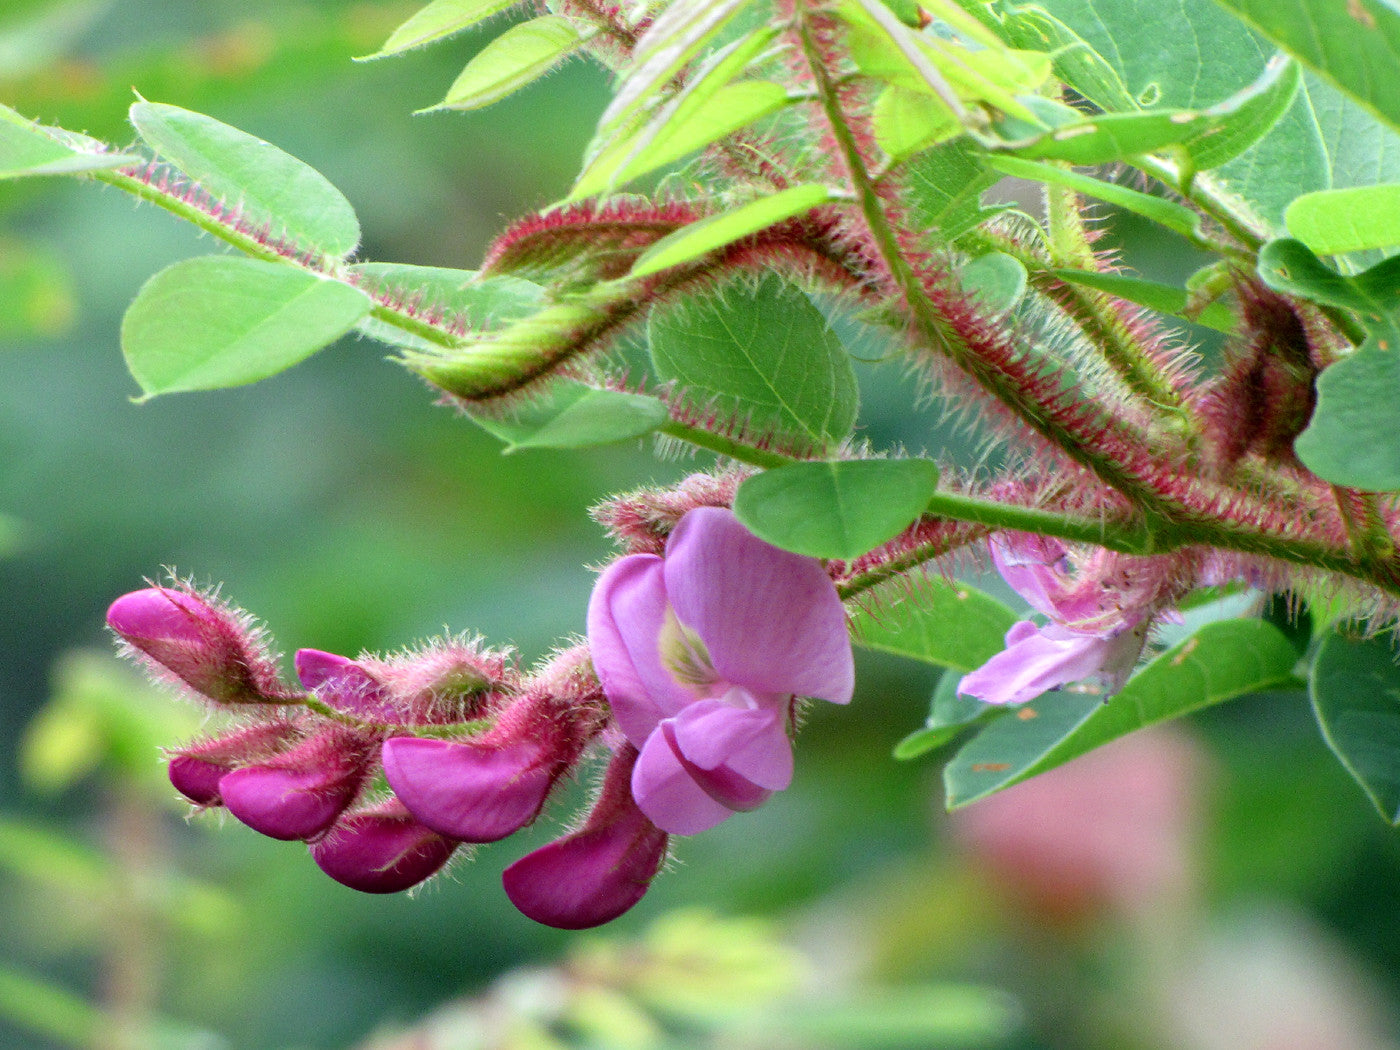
701	653
1114	828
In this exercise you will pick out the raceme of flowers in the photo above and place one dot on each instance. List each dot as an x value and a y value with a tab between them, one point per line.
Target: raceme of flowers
696	661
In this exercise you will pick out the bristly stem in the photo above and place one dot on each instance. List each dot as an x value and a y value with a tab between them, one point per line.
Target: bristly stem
232	234
930	322
725	446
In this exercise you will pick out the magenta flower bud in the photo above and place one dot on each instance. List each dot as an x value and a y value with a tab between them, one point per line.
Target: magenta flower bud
381	850
345	685
197	779
592	875
484	789
196	769
472	791
299	793
198	643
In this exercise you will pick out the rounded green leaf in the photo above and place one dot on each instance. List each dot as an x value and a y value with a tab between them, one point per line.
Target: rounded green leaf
764	355
1346	220
1355	686
520	55
217	321
691	242
268	187
1352	439
839	509
576	416
996	279
439	19
1221	661
1355	44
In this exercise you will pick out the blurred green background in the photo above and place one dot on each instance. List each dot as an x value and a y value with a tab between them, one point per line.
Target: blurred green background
340	506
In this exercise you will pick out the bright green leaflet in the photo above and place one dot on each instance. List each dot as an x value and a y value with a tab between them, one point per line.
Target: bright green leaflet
519	56
716	231
1347	220
26	149
949	717
438	20
907	121
1164	298
626	150
837	509
997	280
1355	687
576	416
673	39
1353	439
764	355
268	187
1210	136
730	108
1219	662
1167	213
1355	44
936	621
217	321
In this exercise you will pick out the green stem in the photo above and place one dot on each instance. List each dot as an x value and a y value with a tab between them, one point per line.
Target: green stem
1098	320
725	446
1126	537
1203	197
1365	524
319	264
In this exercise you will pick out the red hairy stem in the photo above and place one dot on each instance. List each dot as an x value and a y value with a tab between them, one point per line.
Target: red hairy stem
942	316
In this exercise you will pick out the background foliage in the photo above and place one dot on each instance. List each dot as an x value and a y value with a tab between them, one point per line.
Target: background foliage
349	515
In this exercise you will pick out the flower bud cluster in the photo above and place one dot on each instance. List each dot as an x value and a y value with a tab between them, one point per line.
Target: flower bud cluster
384	767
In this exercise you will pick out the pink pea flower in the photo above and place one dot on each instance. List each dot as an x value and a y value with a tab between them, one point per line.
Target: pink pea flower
701	653
299	793
1098	621
197	768
381	850
594	874
484	789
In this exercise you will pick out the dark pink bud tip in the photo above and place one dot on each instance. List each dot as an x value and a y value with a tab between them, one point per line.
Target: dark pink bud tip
315	668
590	877
472	792
379	853
159	614
284	803
196	779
